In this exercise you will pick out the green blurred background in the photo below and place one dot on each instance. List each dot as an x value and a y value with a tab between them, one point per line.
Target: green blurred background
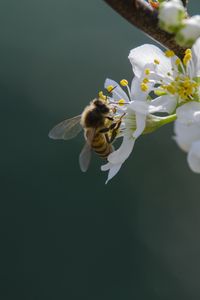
64	234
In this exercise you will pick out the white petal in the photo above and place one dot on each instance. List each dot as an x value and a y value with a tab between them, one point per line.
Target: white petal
196	57
166	103
113	170
189	113
194	157
146	54
140	125
121	154
136	92
118	92
189	32
170	15
139	106
186	134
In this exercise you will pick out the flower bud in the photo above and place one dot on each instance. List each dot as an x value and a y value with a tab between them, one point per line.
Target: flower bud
189	32
171	15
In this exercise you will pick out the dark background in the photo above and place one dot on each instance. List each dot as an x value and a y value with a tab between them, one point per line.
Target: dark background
64	234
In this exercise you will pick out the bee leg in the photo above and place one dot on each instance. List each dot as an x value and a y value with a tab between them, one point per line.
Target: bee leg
110	118
114	131
104	130
114	128
107	138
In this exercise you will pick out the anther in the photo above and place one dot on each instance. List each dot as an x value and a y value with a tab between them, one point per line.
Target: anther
147	71
145	80
169	53
110	88
188	51
144	87
102	96
124	82
187	58
156	61
178	61
121	102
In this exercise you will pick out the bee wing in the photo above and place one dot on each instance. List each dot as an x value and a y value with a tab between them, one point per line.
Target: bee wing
67	129
85	157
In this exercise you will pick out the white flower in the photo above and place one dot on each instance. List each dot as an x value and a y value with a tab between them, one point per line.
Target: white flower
139	116
187	130
176	80
189	32
170	15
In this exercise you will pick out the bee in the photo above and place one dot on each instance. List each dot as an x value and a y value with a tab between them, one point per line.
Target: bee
100	130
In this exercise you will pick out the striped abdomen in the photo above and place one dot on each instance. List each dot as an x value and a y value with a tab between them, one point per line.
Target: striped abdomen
101	146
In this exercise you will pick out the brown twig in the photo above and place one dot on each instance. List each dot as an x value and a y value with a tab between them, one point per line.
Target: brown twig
143	16
185	2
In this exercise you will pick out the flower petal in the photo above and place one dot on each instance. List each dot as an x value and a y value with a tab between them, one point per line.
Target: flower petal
166	103
189	113
194	157
139	107
118	93
113	170
186	134
196	57
121	154
146	54
136	92
140	125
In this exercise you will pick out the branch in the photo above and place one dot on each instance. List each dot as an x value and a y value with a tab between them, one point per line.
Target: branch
185	2
143	16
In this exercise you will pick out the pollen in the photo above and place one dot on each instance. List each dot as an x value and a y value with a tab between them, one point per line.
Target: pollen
169	53
121	102
102	96
145	80
188	51
156	61
124	82
171	89
144	87
147	71
178	61
110	88
187	57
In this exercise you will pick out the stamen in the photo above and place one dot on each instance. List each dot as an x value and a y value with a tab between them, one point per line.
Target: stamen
169	53
188	51
156	61
145	80
177	62
121	102
124	82
144	87
187	58
147	71
171	89
102	96
110	88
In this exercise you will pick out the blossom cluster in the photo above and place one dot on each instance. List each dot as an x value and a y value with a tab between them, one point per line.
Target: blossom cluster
162	83
173	19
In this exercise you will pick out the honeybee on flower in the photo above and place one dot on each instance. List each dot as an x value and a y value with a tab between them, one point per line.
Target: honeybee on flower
100	121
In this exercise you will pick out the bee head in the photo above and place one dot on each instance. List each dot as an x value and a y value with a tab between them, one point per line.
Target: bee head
101	106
